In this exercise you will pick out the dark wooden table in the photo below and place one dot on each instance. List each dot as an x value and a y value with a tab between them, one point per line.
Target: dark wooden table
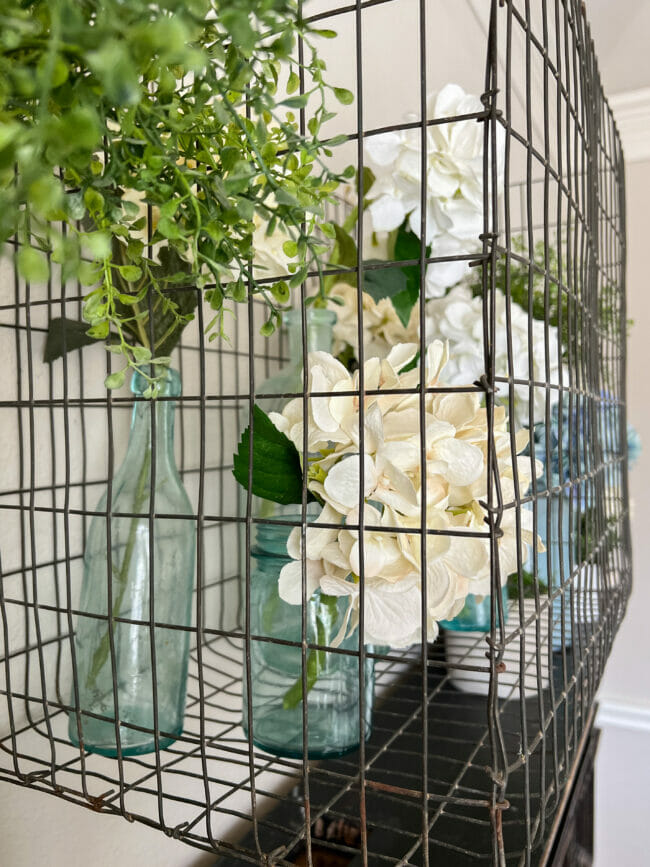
559	821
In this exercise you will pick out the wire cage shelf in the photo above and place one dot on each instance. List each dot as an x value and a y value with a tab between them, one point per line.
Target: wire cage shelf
476	735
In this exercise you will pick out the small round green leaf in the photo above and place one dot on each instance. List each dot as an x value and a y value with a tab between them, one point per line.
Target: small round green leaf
115	380
344	96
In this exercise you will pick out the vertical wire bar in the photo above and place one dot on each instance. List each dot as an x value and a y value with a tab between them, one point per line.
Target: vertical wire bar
494	509
32	529
573	331
53	500
531	279
21	483
523	721
554	526
200	519
424	628
66	523
560	404
248	539
153	470
358	15
303	512
109	588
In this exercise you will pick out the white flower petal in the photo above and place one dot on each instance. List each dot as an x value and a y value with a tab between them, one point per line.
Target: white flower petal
290	581
384	149
465	462
387	213
342	484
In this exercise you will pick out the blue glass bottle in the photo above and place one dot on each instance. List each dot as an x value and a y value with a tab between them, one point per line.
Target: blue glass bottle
125	690
333	699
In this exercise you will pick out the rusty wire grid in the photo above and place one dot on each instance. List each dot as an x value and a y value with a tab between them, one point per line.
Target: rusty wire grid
470	757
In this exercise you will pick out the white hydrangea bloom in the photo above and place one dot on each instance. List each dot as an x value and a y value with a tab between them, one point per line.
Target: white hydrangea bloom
389	544
454	176
458	318
382	327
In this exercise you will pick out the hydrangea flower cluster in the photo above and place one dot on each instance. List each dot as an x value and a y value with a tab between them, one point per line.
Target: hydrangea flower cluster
456	482
454	177
382	327
458	318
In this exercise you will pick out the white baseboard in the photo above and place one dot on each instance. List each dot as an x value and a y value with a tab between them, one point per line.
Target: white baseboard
622	715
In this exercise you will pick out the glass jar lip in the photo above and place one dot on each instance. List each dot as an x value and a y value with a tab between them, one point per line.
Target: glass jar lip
313	316
170	382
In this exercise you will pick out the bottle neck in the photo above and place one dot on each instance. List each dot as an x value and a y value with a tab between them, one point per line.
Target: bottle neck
152	423
319	326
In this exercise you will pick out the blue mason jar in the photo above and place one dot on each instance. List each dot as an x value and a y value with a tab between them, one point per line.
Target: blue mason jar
554	564
121	685
335	722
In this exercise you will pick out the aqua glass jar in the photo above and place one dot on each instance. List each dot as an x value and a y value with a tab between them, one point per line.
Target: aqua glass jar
333	698
283	386
147	558
475	615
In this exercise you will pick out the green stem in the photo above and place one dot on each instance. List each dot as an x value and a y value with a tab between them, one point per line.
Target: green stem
120	576
316	659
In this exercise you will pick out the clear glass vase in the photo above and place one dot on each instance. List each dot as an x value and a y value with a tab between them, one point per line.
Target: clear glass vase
333	698
319	325
150	571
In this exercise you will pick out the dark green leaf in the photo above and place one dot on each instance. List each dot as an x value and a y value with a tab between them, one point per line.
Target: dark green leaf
277	472
392	283
64	335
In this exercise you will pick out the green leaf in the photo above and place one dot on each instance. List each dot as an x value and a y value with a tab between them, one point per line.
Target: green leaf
401	285
131	273
392	283
98	244
277	472
344	253
290	249
117	72
115	380
294	82
368	180
32	265
281	292
344	96
299	101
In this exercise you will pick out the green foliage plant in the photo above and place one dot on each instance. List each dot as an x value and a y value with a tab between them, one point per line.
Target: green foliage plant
140	141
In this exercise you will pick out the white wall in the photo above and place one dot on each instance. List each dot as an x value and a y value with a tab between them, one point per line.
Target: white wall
623	765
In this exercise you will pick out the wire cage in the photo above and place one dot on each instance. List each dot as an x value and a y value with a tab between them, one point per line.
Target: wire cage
476	734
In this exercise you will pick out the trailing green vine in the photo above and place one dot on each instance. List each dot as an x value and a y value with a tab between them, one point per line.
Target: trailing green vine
157	134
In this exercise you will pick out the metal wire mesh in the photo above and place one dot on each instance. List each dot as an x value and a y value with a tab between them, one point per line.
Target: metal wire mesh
470	756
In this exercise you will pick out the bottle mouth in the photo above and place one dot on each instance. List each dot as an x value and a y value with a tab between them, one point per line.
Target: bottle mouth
168	378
